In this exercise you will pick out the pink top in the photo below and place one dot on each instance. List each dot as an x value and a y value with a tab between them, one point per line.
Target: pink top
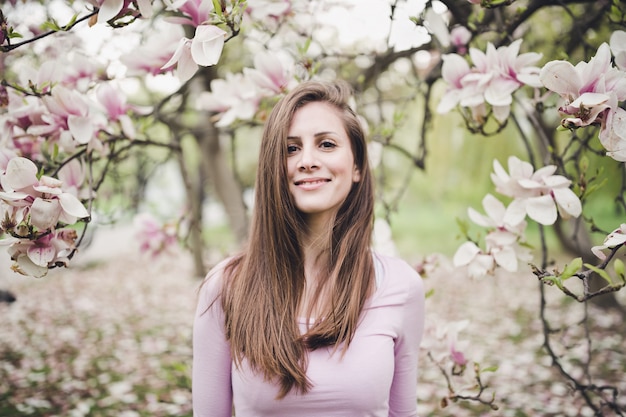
376	377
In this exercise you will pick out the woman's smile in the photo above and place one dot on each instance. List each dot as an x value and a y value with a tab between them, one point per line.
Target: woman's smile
311	183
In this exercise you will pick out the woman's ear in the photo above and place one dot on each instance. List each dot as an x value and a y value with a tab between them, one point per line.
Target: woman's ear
356	174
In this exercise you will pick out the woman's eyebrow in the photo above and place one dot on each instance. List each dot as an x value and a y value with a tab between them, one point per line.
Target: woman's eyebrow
315	135
324	133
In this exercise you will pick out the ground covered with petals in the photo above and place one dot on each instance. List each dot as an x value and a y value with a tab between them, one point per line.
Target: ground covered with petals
111	336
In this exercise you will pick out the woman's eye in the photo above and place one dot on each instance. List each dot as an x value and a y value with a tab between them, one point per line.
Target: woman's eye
291	149
327	144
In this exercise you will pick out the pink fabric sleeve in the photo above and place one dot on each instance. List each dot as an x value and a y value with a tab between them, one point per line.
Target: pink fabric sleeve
402	400
211	372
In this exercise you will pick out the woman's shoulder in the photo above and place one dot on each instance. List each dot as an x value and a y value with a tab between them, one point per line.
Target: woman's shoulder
212	284
397	275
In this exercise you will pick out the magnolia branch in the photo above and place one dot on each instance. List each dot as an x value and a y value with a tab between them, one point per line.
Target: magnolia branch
454	397
585	390
9	47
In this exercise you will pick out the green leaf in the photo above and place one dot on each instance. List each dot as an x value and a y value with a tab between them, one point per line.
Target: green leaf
217	6
463	225
51	25
302	49
71	23
584	163
571	269
493	368
600	272
430	293
526	245
13	34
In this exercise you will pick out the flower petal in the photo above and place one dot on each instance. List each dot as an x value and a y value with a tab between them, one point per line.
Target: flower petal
81	128
207	45
72	206
41	255
20	173
481	266
568	202
542	209
515	212
454	68
561	77
465	254
44	213
109	9
25	266
506	258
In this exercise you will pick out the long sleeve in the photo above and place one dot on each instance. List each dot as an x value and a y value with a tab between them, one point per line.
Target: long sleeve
211	373
402	400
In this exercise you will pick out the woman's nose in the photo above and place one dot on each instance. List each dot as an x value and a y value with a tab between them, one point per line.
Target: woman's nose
308	158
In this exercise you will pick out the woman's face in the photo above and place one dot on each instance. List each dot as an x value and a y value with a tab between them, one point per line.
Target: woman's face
320	162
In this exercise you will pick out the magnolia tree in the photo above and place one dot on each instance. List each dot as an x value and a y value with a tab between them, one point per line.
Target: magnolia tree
73	123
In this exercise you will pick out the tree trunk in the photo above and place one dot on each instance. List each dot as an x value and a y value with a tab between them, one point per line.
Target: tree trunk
196	239
217	170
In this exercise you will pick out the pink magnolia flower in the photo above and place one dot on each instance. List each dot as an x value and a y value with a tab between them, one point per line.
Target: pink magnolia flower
458	358
588	89
114	102
496	75
538	194
460	37
69	116
154	236
269	73
235	97
46	203
441	339
591	92
613	134
20	124
616	238
204	49
81	71
152	55
505	70
431	263
35	257
195	12
454	70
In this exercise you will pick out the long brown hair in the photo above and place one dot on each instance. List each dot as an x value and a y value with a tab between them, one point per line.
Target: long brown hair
265	284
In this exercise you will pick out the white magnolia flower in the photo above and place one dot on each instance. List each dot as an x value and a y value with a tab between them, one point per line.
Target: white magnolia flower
477	262
538	194
615	238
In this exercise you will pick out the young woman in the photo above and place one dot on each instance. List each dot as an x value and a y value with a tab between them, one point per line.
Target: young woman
308	321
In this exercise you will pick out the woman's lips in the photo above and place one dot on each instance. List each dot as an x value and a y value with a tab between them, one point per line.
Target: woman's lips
311	183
